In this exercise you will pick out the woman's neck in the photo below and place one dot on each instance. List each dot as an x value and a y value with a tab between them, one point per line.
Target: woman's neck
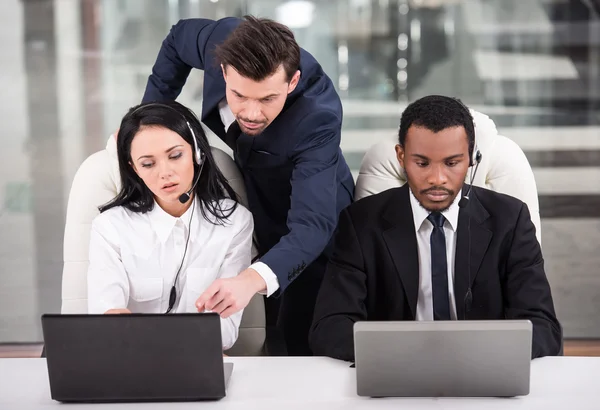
175	208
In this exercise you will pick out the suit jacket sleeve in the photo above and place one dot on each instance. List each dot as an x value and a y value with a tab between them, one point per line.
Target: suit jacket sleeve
527	290
312	217
188	45
342	298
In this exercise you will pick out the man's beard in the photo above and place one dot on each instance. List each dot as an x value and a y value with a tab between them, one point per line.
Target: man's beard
252	132
434	210
450	193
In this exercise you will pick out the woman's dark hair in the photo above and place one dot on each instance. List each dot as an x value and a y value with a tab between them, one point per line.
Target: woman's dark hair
257	47
436	113
135	195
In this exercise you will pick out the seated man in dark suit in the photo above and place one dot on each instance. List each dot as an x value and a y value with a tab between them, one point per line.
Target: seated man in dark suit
406	253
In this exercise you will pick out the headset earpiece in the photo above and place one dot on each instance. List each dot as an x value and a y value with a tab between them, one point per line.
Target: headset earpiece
474	156
198	155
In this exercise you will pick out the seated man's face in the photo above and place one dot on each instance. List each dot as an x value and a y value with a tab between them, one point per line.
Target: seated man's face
436	164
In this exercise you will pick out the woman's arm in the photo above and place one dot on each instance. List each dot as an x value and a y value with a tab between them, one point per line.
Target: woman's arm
108	286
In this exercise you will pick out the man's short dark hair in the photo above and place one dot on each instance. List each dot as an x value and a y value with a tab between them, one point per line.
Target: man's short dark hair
257	47
436	113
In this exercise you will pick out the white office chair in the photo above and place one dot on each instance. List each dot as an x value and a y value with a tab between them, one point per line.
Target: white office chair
96	182
503	168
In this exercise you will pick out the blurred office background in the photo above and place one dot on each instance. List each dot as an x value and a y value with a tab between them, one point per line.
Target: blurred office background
69	70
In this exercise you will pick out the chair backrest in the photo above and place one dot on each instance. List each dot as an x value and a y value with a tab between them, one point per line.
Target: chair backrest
96	182
504	168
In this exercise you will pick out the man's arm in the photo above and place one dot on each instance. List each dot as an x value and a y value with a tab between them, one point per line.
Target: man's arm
236	259
312	217
527	291
188	45
342	297
227	296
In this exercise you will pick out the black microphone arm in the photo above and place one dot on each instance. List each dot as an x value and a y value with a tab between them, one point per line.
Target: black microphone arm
464	201
183	198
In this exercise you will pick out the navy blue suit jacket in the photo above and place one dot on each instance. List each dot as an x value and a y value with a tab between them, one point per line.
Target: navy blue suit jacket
296	177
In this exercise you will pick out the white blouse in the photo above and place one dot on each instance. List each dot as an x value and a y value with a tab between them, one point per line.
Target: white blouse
134	258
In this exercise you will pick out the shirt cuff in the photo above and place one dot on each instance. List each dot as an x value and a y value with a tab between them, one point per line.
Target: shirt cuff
268	276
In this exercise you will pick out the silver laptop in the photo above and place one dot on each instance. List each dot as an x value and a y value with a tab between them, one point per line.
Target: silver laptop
436	359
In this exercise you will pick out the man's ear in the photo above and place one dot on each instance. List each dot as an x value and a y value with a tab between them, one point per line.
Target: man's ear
224	71
294	81
400	155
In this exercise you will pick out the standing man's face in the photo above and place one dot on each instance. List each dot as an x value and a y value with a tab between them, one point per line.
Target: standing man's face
255	104
436	164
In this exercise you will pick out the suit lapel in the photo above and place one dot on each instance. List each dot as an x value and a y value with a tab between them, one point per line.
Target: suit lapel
480	240
401	241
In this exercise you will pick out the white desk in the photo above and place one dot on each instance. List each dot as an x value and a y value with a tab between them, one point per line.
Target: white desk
317	383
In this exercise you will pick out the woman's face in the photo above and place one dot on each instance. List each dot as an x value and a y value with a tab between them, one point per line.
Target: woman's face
165	162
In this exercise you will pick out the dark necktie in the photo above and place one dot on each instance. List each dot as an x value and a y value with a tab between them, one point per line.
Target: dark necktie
439	268
232	135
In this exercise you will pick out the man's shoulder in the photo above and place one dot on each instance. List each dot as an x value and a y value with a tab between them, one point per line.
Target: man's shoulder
503	208
311	126
315	106
316	97
493	200
372	206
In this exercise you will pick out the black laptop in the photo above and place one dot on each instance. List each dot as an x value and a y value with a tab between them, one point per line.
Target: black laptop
135	358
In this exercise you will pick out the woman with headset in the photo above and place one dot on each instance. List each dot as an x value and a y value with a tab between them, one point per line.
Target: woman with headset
172	229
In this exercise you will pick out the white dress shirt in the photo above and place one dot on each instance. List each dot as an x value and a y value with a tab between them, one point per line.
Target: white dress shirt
423	229
134	258
227	118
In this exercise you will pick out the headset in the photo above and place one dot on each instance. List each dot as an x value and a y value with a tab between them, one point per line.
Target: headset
475	157
199	159
474	164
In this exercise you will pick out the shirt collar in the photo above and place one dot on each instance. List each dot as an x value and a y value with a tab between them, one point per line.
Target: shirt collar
420	214
227	117
163	223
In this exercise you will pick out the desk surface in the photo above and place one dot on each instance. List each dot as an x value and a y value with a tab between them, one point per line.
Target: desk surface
315	383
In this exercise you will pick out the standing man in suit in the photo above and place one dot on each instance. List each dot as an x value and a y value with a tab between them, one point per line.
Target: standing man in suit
273	105
434	249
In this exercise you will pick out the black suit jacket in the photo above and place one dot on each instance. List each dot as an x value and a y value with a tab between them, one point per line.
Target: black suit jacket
296	178
374	271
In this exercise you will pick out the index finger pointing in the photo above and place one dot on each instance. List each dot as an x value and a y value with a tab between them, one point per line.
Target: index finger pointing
212	290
